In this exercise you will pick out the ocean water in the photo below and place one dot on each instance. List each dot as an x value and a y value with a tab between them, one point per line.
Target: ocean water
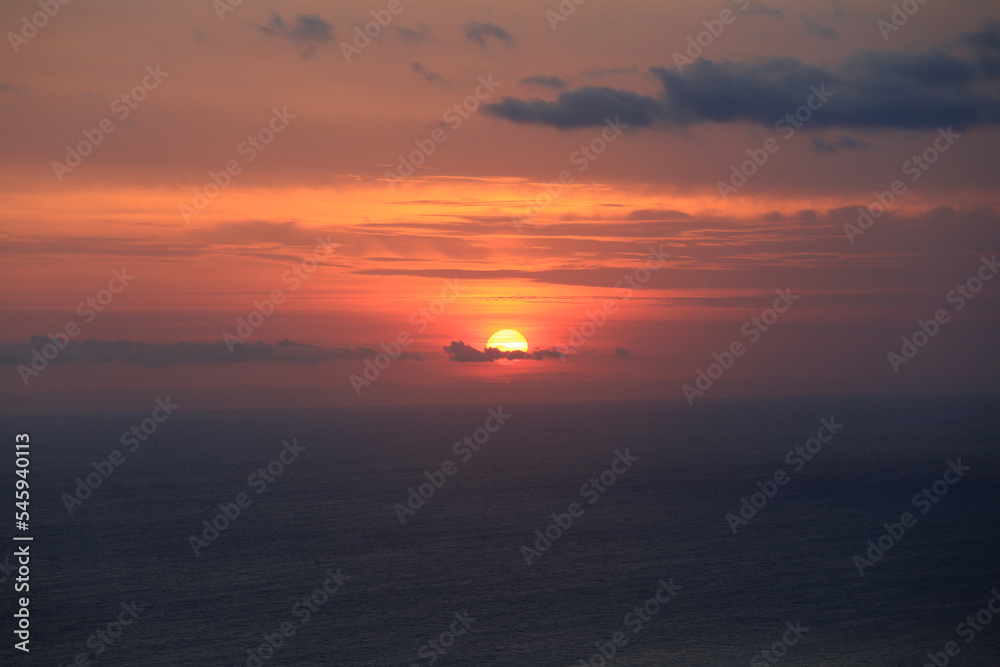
455	573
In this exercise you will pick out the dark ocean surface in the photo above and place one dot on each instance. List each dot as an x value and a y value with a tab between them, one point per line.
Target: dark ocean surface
401	585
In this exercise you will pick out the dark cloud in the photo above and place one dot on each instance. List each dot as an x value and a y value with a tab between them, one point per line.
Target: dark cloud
583	107
462	352
544	81
903	90
621	352
307	29
478	32
158	355
987	37
985	44
17	88
817	29
430	75
843	141
413	36
757	8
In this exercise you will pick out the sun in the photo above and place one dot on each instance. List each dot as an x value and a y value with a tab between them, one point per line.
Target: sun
508	340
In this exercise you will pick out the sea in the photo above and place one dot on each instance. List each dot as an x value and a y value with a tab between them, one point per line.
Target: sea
795	531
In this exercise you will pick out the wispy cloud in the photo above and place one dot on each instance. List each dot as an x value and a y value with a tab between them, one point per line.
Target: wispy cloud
479	32
817	29
611	71
16	88
842	142
413	36
158	355
430	75
544	81
306	30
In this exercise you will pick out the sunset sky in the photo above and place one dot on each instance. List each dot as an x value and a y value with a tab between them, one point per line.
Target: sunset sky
312	130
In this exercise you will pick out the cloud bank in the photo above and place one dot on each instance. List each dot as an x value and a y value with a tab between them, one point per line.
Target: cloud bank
462	352
895	89
158	355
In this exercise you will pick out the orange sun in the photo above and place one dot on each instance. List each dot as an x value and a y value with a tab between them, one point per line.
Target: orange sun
508	340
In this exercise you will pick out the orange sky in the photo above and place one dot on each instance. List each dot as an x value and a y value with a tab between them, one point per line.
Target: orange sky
342	126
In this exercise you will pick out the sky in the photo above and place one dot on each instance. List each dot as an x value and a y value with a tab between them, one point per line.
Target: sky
256	204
